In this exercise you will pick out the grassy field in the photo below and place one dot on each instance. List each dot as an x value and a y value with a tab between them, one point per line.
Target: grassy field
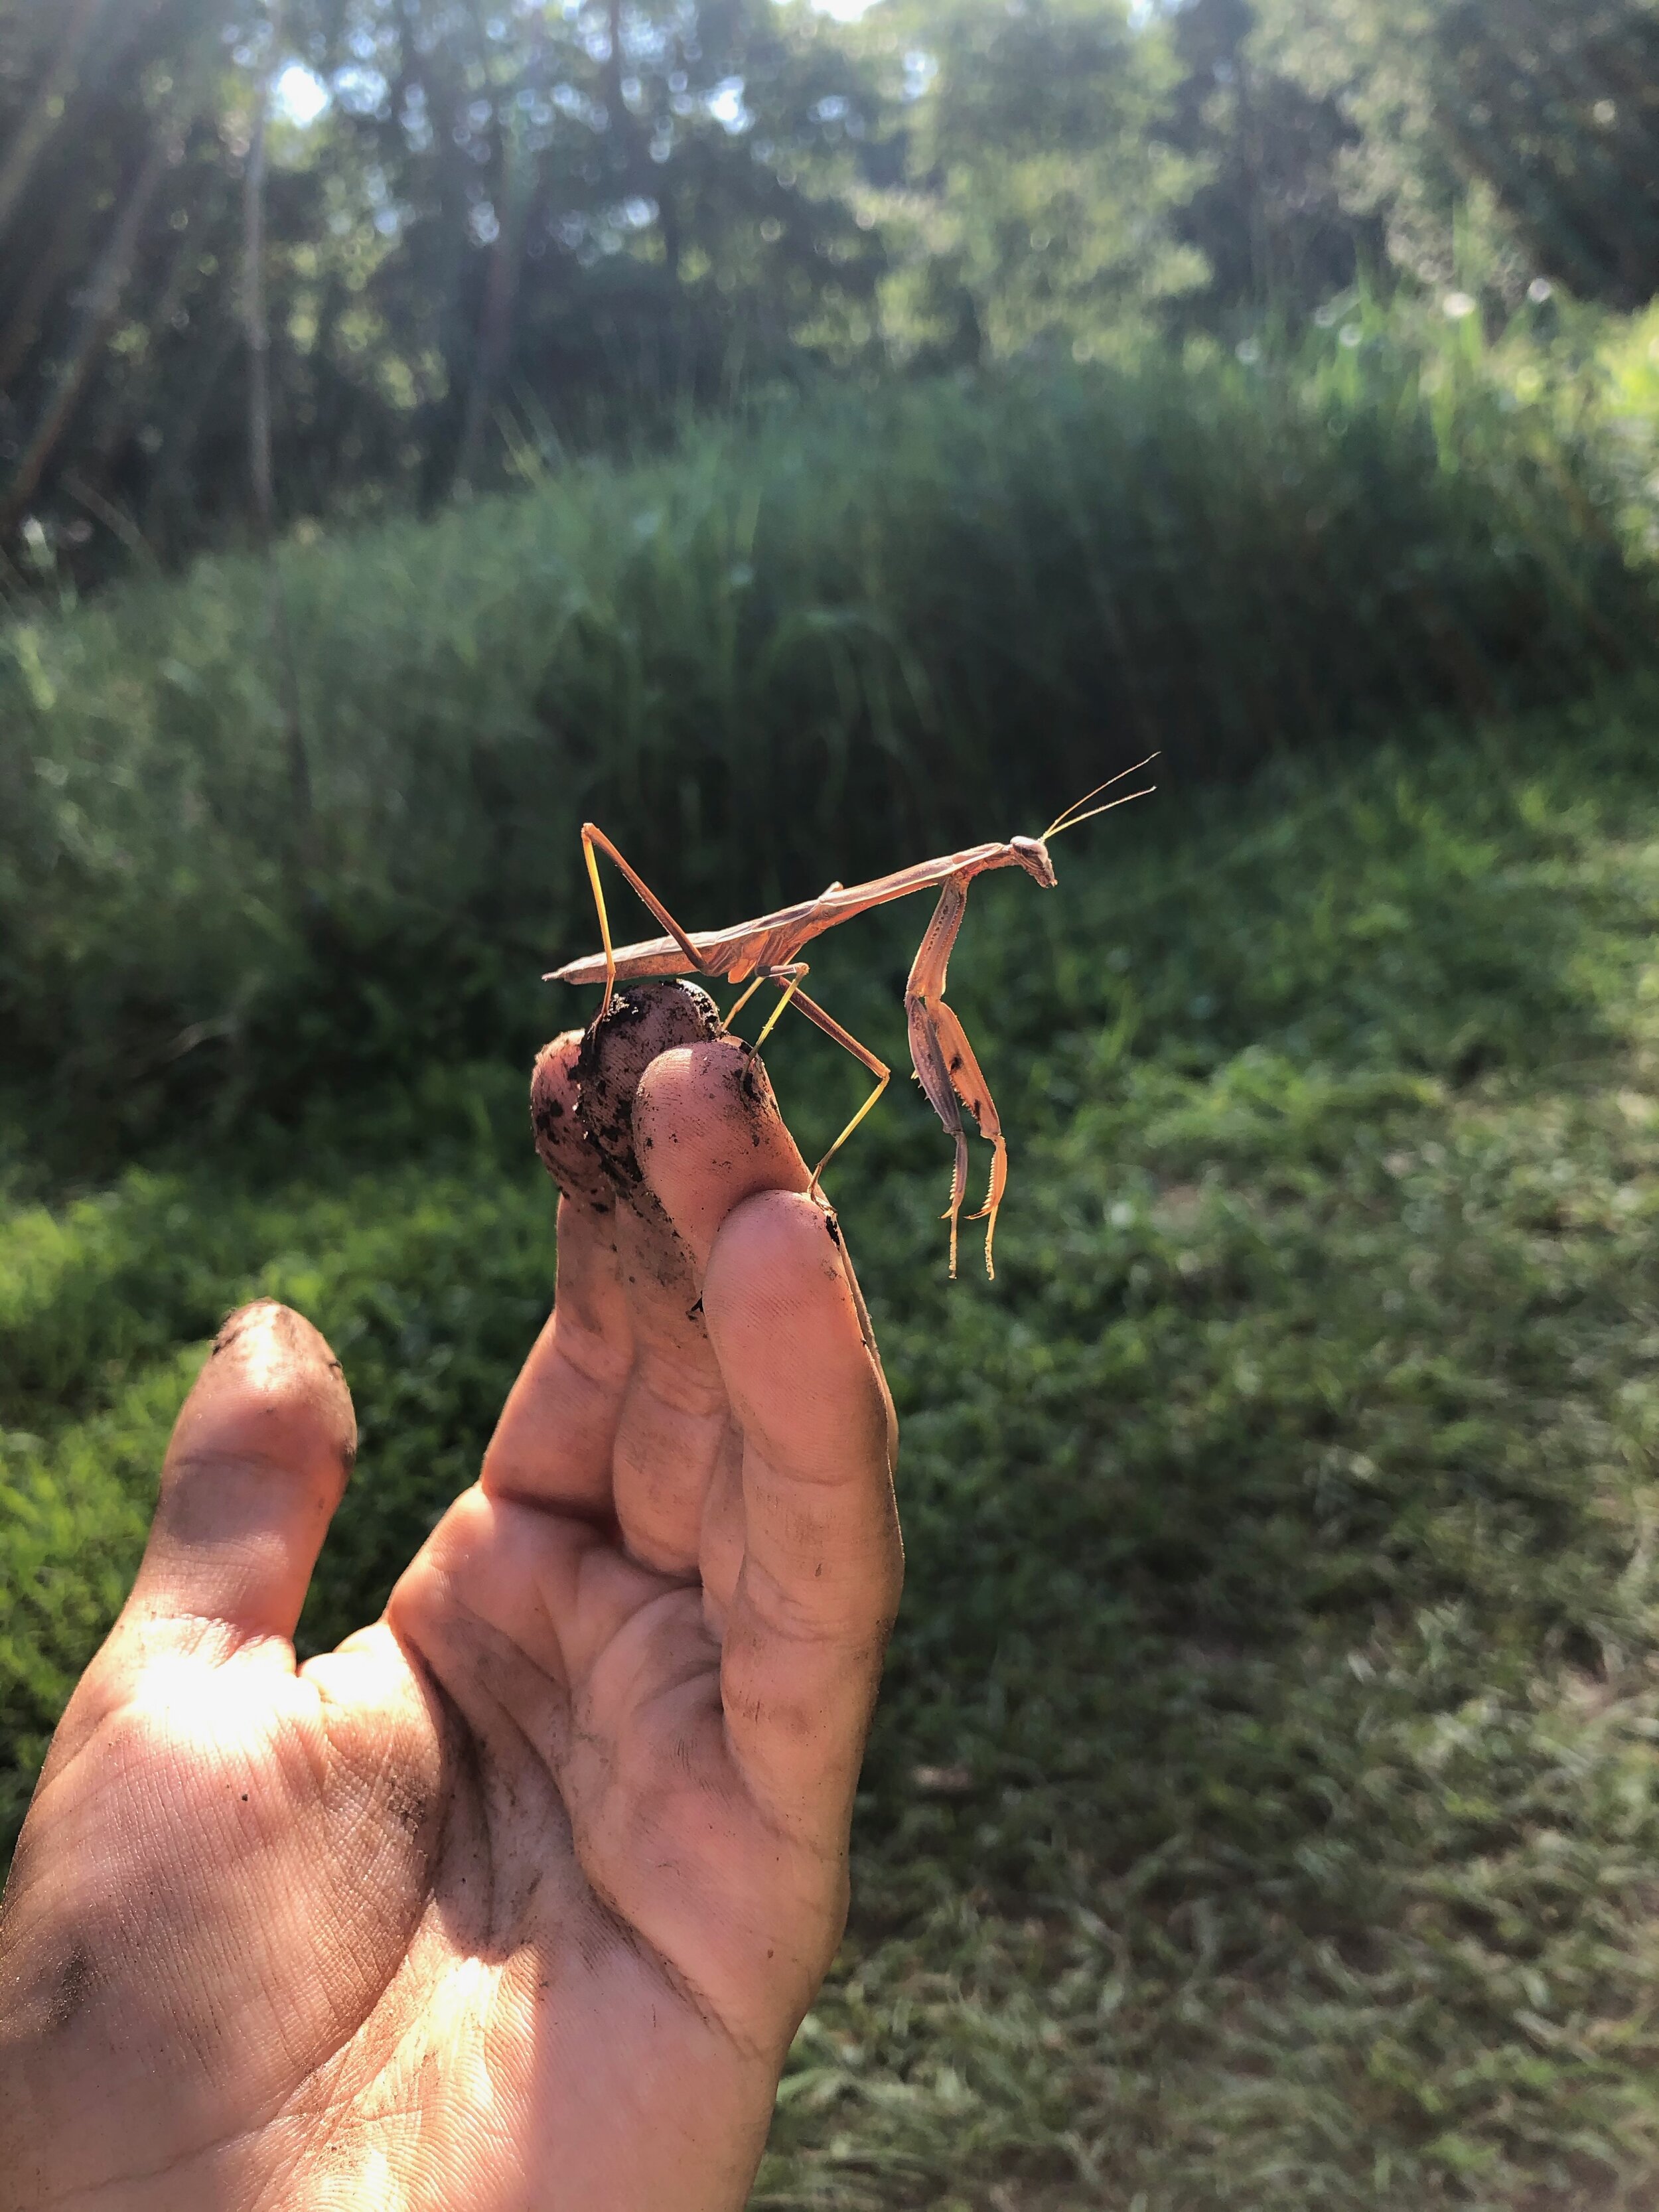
1263	1809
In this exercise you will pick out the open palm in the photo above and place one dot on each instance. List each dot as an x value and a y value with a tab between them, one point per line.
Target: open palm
516	1899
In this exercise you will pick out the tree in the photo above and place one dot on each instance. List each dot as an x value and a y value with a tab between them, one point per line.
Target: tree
583	217
1530	131
1268	215
1033	197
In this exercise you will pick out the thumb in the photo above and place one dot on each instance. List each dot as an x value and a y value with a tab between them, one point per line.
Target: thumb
257	1464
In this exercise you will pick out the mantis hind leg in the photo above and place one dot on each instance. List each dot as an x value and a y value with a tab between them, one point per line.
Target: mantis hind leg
593	837
790	975
794	968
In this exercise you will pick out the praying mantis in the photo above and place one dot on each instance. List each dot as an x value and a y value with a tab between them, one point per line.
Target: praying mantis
753	954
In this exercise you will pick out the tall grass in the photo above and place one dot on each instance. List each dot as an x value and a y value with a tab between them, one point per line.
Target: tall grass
861	630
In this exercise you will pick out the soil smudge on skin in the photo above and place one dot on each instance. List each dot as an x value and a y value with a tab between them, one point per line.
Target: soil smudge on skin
582	1096
563	1143
71	1986
645	1020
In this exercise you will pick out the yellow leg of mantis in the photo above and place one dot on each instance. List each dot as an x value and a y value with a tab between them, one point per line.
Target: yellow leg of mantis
794	996
831	1028
593	837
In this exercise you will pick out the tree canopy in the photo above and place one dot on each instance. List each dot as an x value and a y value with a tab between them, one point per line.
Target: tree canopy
499	229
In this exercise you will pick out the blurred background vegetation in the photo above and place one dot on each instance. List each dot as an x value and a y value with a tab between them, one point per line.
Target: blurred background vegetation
803	440
496	236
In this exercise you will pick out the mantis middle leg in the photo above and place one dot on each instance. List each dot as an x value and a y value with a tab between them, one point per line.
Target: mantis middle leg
793	995
946	1067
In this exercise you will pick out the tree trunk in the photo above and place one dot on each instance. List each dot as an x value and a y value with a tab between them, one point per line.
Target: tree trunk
495	333
514	192
47	111
104	296
43	284
260	473
255	321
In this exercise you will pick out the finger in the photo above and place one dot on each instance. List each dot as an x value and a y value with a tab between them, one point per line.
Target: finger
563	1141
259	1461
704	1122
708	1134
620	1411
675	1423
554	1442
819	1587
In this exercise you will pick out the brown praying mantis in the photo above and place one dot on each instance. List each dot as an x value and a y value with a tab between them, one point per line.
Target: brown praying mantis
766	951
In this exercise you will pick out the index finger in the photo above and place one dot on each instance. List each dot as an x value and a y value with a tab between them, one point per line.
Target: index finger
817	1589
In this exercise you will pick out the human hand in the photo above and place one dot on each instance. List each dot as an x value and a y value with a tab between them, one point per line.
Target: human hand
515	1900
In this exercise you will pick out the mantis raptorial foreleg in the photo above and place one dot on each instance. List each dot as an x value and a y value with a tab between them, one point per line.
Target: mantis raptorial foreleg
946	1067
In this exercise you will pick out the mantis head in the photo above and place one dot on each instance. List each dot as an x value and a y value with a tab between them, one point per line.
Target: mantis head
1032	854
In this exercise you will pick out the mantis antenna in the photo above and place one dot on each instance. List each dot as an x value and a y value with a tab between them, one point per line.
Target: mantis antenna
1071	817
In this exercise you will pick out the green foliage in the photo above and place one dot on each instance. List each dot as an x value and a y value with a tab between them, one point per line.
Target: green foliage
1033	212
1564	130
1540	122
1268	211
1627	367
852	634
1263	1803
554	228
584	218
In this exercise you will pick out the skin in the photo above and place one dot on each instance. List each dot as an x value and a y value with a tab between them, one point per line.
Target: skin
516	1899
